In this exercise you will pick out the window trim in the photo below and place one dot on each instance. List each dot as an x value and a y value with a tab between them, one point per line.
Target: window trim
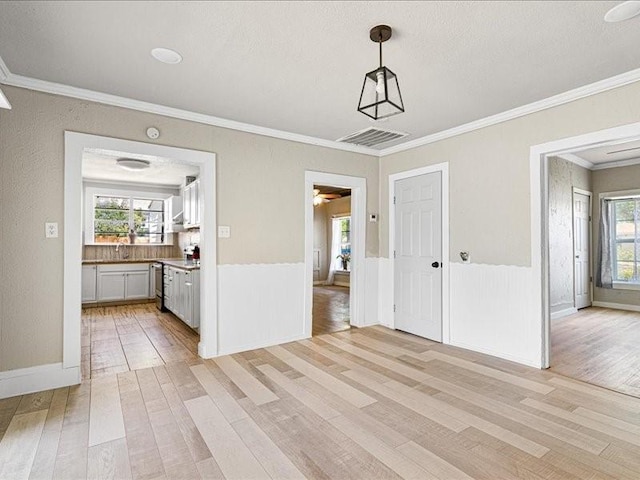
90	194
613	196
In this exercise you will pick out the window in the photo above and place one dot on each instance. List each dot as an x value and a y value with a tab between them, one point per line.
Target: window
625	235
115	217
345	242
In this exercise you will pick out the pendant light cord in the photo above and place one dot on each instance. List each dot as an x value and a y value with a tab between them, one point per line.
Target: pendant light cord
380	44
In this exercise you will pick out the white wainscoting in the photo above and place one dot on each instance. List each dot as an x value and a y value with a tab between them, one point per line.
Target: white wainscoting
259	305
371	314
36	379
491	311
385	292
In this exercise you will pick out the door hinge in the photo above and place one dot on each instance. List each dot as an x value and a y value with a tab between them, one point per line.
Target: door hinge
589	217
591	279
394	254
394	199
394	308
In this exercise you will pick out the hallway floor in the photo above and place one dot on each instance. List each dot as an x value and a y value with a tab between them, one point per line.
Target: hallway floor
599	346
131	337
330	309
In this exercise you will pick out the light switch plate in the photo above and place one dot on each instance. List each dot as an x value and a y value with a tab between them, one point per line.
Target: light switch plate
51	230
224	231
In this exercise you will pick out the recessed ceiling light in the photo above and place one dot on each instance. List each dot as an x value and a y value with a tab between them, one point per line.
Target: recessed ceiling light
166	55
623	11
133	164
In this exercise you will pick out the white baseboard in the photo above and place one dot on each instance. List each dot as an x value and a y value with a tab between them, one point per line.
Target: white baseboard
505	356
36	379
341	284
563	313
617	306
260	344
319	282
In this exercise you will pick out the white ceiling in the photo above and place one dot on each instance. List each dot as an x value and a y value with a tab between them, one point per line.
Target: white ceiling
100	165
299	66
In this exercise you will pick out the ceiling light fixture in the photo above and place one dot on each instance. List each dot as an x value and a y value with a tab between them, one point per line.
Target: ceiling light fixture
380	96
623	11
133	164
166	55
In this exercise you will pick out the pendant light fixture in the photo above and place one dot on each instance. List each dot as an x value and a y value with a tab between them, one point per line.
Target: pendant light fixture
380	96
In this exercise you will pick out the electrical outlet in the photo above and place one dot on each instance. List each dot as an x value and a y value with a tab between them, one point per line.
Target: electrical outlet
51	230
224	231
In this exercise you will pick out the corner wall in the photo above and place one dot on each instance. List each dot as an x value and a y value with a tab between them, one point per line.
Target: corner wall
491	300
253	172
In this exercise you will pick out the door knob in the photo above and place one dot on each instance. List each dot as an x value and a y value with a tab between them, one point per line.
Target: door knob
435	264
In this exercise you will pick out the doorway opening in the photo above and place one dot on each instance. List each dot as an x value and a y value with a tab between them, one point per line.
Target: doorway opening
120	225
592	230
352	249
331	259
140	261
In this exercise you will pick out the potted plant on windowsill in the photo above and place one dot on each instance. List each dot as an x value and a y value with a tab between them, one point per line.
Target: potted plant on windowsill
345	258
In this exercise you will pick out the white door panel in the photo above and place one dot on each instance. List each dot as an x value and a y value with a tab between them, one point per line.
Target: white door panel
418	240
581	247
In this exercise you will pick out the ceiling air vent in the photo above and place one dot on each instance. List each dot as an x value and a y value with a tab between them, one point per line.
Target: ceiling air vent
372	136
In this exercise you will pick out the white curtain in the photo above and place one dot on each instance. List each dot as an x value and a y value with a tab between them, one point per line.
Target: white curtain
604	268
334	262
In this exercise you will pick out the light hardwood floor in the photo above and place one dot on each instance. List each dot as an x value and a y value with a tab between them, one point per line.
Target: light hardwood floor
365	403
330	309
599	346
131	337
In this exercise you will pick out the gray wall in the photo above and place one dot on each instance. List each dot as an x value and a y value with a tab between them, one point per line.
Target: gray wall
250	169
563	176
489	173
613	180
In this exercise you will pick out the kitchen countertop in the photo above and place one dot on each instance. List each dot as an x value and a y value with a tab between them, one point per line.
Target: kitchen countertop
174	262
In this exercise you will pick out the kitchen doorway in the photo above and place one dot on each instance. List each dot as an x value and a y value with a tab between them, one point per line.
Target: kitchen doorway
78	145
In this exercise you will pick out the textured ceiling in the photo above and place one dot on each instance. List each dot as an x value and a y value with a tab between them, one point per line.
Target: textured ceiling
102	166
299	66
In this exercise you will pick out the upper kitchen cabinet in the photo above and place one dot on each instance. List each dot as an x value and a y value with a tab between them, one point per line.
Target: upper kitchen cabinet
174	214
191	196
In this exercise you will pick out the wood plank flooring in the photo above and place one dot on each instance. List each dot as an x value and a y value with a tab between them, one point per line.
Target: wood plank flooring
330	309
118	339
599	346
367	403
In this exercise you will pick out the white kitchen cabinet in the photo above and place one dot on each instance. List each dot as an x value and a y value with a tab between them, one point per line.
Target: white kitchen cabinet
174	214
121	281
191	198
183	297
136	285
89	283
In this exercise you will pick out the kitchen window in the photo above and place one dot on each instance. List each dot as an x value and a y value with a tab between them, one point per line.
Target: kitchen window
119	219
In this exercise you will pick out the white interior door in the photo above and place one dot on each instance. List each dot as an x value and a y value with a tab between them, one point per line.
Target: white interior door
418	255
581	249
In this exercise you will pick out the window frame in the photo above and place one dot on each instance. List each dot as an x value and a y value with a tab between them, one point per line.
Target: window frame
617	197
92	193
340	218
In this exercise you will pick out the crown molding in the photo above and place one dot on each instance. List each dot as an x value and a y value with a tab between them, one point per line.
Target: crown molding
573	158
615	164
8	78
554	101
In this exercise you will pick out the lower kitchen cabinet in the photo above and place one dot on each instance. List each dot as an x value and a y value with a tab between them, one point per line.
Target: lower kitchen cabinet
117	282
183	295
89	280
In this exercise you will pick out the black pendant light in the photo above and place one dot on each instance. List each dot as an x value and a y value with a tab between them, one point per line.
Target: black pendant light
380	96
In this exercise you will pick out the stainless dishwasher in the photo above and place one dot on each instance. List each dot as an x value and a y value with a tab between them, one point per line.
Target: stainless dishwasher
158	272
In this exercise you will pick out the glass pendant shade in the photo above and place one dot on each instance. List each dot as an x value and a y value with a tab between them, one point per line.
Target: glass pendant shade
380	96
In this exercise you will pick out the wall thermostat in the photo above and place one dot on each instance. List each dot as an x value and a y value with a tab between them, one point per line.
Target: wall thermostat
153	133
